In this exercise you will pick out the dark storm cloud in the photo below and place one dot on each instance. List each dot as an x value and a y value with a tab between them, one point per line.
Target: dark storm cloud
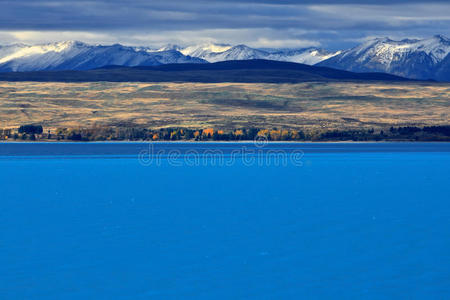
321	20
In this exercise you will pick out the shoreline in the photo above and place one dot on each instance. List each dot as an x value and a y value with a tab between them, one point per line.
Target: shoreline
222	142
146	153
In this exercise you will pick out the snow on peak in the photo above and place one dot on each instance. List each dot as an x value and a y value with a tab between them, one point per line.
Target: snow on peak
441	37
69	44
24	51
385	50
309	56
204	50
169	47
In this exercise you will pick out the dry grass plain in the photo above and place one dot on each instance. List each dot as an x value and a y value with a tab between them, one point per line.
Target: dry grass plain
305	106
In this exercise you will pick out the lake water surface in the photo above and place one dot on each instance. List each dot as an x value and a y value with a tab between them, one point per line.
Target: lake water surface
224	221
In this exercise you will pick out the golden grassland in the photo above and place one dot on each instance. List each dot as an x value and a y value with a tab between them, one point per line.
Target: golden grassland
305	106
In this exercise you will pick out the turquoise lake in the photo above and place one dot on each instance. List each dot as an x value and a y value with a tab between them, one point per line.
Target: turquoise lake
224	221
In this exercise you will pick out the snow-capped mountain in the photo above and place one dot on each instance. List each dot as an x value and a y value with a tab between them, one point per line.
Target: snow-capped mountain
204	51
239	52
74	55
309	56
419	59
223	52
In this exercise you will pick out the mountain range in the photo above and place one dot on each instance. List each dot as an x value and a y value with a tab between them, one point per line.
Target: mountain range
411	58
215	53
74	55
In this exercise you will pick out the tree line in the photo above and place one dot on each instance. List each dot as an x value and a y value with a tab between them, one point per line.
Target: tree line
409	133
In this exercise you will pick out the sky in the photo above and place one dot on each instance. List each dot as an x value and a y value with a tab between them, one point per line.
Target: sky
329	24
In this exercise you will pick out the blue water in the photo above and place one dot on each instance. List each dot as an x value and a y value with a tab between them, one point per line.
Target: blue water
92	221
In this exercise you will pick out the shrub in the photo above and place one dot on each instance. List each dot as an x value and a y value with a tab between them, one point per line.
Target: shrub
31	129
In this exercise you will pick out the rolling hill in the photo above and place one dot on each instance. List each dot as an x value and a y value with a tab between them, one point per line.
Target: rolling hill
246	71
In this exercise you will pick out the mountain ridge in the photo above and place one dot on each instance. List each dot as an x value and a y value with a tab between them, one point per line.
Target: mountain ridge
75	55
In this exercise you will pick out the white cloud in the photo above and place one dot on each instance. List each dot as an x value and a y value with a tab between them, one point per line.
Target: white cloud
284	43
386	14
37	37
252	37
